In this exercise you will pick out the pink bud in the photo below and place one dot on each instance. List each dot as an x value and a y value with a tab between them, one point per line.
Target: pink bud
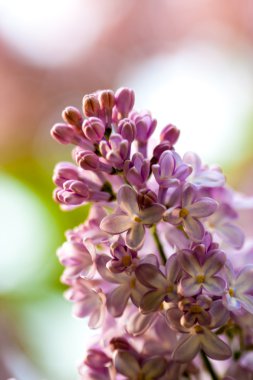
170	133
72	116
127	129
124	100
63	133
160	148
90	105
93	129
87	160
106	100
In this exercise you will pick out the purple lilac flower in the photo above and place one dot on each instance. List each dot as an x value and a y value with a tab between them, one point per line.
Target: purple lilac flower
147	266
131	218
186	210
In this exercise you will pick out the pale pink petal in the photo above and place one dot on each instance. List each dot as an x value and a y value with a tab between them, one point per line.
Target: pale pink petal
117	300
150	276
244	281
154	368
194	229
188	196
126	364
189	287
107	275
187	349
215	285
139	323
172	268
231	234
214	263
246	301
213	346
219	314
127	200
135	236
97	317
115	224
151	301
189	263
203	208
152	214
172	216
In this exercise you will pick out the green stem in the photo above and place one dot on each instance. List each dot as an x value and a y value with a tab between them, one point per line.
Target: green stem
209	366
159	246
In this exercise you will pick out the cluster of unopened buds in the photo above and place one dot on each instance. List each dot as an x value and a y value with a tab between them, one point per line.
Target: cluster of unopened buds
159	265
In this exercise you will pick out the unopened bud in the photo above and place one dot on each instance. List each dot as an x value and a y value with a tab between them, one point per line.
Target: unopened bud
72	116
93	129
87	160
124	100
170	133
63	133
127	129
90	105
160	148
146	198
119	344
106	100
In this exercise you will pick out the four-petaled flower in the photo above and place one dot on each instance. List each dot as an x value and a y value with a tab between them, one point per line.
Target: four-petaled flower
131	218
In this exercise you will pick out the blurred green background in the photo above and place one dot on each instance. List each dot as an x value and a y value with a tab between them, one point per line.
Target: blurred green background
190	63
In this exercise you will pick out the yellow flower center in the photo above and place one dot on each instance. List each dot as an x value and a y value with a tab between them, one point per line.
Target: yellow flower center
200	278
183	213
198	329
195	309
132	283
231	292
137	219
170	289
126	260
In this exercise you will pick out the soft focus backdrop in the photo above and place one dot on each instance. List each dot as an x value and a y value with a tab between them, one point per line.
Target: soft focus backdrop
190	63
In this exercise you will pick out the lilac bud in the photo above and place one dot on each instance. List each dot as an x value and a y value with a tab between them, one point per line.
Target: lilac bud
145	125
160	148
87	160
146	198
96	359
127	129
124	100
63	133
64	171
106	100
93	129
90	105
170	133
72	116
119	344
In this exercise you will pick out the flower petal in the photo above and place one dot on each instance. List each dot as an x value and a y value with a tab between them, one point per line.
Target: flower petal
231	234
150	276
115	224
152	214
139	323
135	236
214	263
151	301
187	349
215	285
194	228
154	368
117	300
126	364
127	200
189	287
213	346
203	207
189	262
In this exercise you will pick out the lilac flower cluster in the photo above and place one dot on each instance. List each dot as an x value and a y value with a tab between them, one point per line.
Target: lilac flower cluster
154	266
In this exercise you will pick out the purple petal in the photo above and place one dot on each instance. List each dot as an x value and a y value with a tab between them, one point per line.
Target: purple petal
172	216
231	234
151	301
215	286
189	286
219	314
188	196
187	349
107	275
150	276
117	300
214	263
172	268
214	347
202	208
115	224
244	281
152	214
127	200
139	323
126	364
194	229
154	368
189	263
246	301
135	236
